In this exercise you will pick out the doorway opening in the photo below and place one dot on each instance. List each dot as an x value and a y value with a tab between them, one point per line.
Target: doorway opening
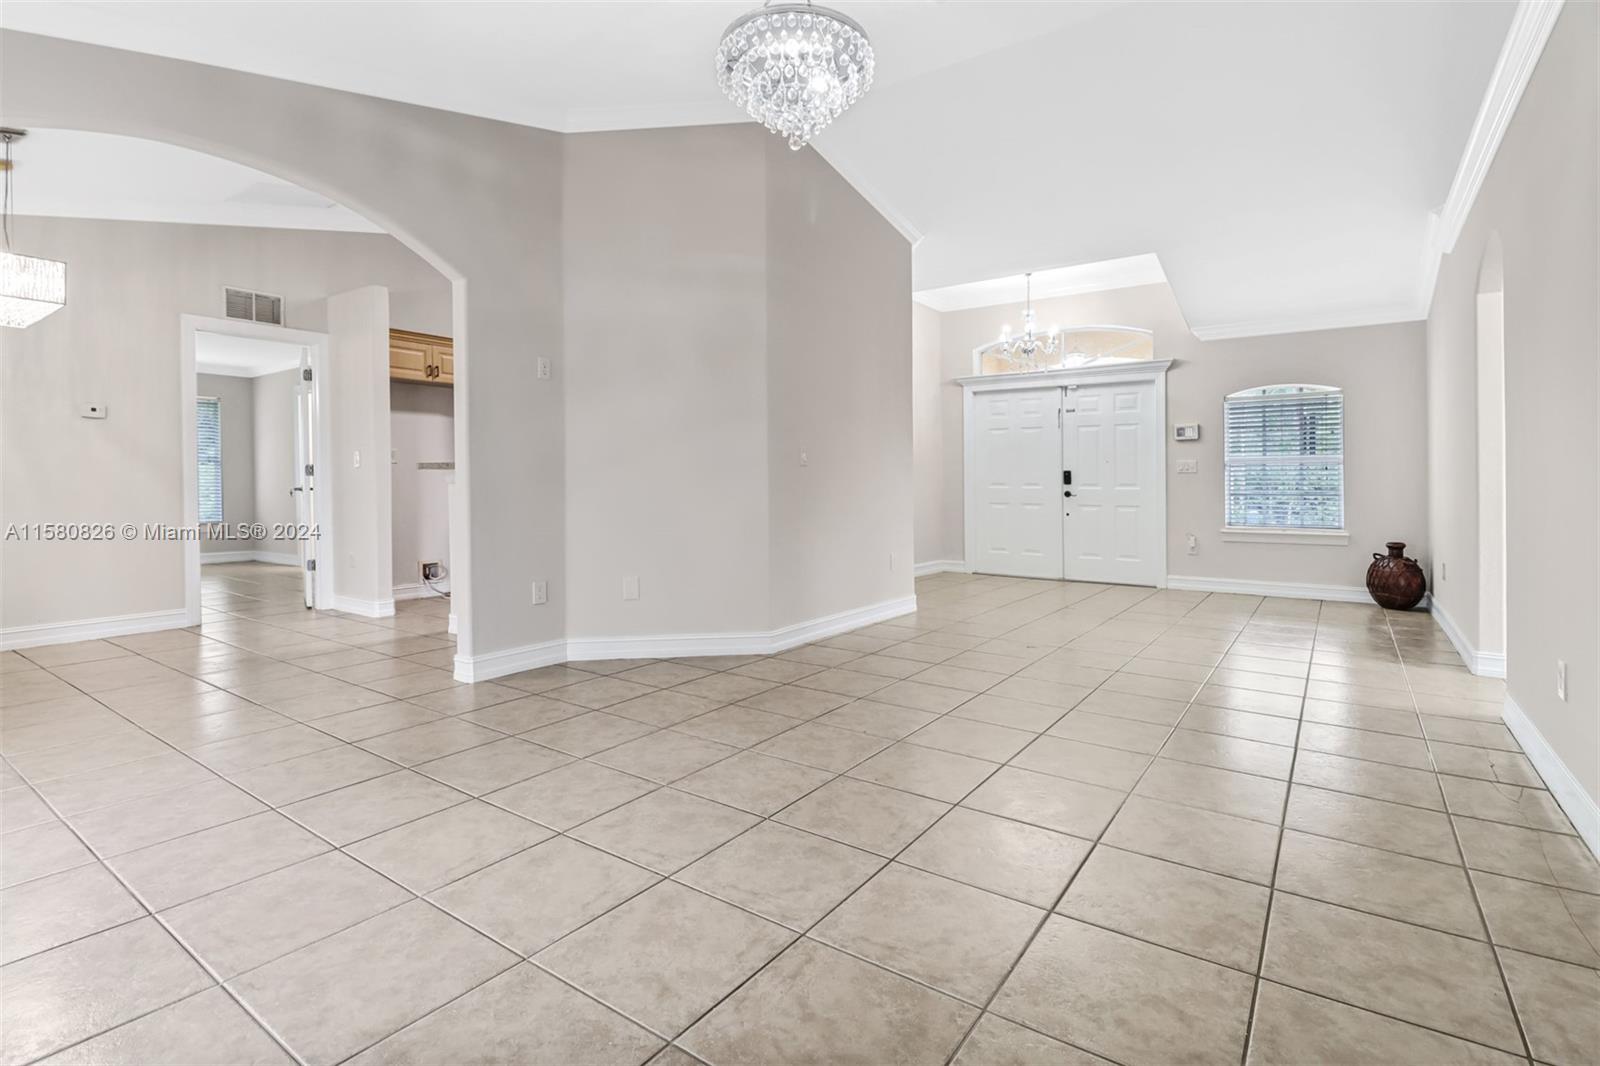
253	426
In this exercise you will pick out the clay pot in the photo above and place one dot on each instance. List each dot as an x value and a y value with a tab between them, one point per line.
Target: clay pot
1394	581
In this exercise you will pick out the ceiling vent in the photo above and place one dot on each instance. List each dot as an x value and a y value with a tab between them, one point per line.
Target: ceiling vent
253	306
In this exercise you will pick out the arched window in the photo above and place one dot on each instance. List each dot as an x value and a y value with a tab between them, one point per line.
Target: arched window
1283	458
1073	347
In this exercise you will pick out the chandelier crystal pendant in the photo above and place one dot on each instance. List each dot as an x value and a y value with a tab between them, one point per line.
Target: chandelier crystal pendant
1032	347
794	68
30	288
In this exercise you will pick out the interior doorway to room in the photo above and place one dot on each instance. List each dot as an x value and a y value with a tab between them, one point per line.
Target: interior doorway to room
254	424
1067	481
1491	422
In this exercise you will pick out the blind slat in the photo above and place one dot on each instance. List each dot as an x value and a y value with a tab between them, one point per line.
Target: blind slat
208	443
1284	459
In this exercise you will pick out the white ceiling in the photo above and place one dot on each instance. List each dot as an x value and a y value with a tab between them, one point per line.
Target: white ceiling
1282	158
1061	281
70	174
243	357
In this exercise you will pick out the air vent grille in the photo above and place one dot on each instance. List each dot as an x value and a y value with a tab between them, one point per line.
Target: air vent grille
253	306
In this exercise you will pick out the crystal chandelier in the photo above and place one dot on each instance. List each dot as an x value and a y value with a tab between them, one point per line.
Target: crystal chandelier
794	68
30	288
1031	345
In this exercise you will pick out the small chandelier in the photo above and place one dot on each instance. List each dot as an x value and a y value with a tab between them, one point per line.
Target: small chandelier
30	288
1027	349
794	68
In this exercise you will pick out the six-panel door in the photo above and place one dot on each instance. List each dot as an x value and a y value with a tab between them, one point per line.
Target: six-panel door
1018	479
1111	521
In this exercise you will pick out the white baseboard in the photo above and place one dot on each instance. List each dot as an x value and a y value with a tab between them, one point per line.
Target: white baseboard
276	558
364	608
1335	593
940	566
1482	663
419	591
583	649
91	629
749	643
1579	805
471	669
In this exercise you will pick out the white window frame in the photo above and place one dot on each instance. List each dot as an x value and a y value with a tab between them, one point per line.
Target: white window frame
221	465
1285	534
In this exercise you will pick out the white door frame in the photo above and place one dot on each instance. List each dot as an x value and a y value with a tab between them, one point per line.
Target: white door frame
317	345
1108	373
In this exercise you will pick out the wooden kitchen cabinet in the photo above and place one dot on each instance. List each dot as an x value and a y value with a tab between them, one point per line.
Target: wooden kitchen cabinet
421	357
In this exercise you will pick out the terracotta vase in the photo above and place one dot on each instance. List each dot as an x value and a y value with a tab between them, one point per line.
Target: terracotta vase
1394	581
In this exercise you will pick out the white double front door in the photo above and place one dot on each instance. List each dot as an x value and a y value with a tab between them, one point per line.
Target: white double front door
1067	483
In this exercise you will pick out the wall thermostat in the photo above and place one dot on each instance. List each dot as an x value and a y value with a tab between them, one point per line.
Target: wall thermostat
1186	431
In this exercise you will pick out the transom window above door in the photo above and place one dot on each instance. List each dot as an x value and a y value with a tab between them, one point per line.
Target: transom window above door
1284	459
1079	346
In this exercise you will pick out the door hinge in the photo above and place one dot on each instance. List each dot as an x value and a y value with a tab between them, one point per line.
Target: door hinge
310	472
311	565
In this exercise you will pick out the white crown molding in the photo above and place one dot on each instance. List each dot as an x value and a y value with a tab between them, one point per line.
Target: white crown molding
1266	327
940	566
1579	805
908	229
1242	587
1525	41
582	649
1481	663
364	608
91	629
1108	274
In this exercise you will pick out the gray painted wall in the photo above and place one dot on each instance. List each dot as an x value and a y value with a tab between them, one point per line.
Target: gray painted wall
1540	198
116	342
1380	369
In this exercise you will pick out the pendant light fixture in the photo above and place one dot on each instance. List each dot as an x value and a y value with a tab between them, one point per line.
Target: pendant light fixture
30	287
1032	348
794	68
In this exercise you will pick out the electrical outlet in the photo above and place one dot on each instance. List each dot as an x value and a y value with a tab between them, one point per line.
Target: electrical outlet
630	588
1194	544
805	460
93	410
541	593
430	571
1444	571
1561	680
358	460
543	369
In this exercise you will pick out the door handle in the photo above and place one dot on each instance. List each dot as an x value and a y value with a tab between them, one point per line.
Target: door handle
1067	492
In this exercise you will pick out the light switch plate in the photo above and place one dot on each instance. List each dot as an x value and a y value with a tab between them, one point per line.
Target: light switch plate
630	588
1188	466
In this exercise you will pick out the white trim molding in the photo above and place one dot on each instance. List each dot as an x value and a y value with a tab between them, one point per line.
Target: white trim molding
1579	805
473	668
1244	535
420	591
1530	29
123	625
364	608
1481	663
940	566
1242	587
1531	25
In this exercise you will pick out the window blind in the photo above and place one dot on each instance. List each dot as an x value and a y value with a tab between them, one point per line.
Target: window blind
208	442
1284	457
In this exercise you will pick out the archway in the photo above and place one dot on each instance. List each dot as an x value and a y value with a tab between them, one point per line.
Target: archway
1491	459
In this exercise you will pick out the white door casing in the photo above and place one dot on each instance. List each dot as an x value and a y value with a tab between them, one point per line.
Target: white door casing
1134	486
1018	483
1110	445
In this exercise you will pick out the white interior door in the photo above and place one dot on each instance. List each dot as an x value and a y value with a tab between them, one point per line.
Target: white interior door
304	481
1017	457
1112	520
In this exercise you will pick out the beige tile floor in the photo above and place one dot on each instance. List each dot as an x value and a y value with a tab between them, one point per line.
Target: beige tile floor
1034	823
